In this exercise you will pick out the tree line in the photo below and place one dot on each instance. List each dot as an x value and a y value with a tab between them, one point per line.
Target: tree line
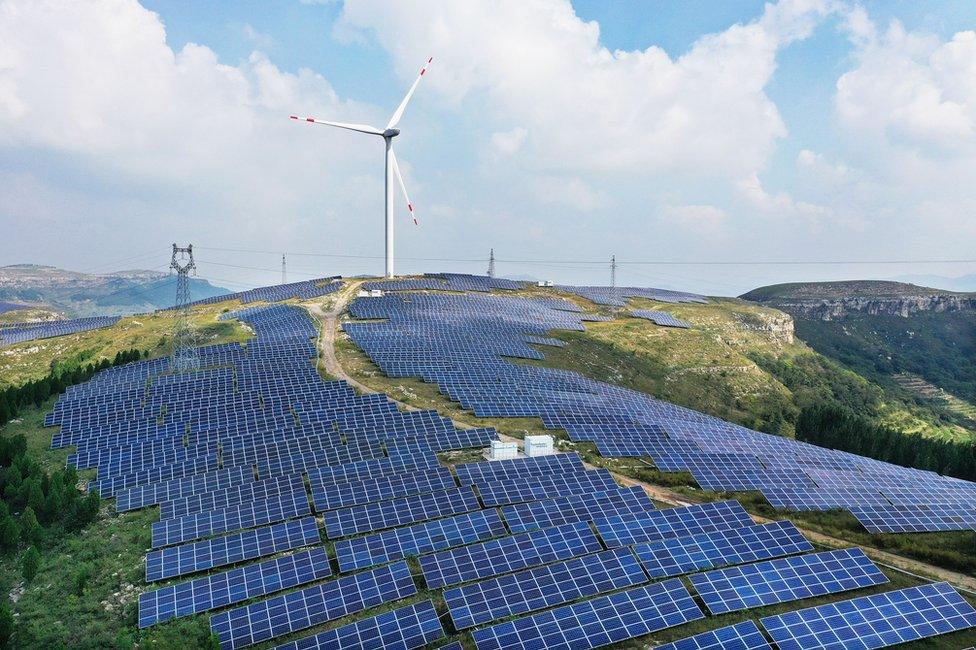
839	428
33	393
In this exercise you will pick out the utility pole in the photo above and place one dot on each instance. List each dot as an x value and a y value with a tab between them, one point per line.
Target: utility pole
284	276
613	271
491	264
184	356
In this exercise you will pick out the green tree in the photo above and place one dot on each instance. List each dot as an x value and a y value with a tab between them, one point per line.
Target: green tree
31	563
30	527
6	624
81	577
9	530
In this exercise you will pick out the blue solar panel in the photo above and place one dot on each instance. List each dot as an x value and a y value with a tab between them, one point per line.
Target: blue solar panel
786	579
244	515
672	557
508	554
351	493
300	610
241	492
577	507
405	628
543	587
234	586
156	493
409	541
741	636
221	551
398	512
595	623
533	488
470	473
875	621
625	530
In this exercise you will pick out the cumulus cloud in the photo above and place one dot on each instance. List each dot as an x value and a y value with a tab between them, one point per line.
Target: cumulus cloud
201	146
589	108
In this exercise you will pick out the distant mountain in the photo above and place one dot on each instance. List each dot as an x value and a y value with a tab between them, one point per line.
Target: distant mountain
83	294
885	330
961	283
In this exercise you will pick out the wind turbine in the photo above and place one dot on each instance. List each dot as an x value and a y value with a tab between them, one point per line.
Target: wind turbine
392	169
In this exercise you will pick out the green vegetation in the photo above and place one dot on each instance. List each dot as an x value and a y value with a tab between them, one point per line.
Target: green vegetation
938	346
840	428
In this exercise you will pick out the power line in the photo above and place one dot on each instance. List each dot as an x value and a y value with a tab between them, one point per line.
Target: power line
619	262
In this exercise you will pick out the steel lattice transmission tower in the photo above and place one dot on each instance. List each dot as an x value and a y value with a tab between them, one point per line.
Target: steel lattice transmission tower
184	353
613	271
491	264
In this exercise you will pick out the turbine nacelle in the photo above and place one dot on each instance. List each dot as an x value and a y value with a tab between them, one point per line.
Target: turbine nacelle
391	133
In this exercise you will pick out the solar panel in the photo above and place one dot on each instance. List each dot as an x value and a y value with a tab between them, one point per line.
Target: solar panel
399	512
741	636
508	554
672	557
661	318
786	579
234	586
875	621
243	515
576	507
625	530
543	587
351	493
405	628
409	541
154	493
311	606
221	551
533	488
241	492
487	472
597	622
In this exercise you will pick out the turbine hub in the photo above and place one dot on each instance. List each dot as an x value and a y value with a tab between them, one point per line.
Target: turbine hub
391	133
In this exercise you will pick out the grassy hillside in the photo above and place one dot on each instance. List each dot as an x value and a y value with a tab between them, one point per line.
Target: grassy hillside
939	347
33	359
739	362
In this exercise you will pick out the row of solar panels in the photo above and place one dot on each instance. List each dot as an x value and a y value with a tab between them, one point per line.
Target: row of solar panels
461	343
21	332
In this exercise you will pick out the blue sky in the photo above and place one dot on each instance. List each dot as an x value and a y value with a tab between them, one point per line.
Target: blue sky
557	133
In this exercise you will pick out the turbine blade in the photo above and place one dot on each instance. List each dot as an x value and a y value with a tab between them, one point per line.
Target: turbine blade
362	128
399	111
396	170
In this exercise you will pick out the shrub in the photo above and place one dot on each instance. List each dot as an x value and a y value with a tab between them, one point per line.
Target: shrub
31	563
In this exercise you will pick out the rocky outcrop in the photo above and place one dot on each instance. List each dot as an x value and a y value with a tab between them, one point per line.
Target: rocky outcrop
904	306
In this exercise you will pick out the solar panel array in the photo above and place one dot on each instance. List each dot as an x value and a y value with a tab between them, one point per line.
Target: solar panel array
32	330
464	344
304	290
662	318
786	579
532	552
741	636
875	621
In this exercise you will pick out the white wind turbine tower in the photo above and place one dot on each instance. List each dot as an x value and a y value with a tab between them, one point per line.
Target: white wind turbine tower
392	168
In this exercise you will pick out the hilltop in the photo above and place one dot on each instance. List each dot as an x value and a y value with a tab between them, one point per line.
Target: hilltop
916	342
77	294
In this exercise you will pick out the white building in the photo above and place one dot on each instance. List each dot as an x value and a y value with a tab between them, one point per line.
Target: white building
538	445
503	450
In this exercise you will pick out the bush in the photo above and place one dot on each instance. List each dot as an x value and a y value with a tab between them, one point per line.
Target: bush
30	528
31	563
81	577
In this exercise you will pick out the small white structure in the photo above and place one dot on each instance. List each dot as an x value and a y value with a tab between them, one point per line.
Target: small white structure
503	450
538	445
371	293
544	283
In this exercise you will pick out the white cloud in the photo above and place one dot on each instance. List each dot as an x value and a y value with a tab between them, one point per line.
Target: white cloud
569	192
702	219
538	65
911	90
507	143
197	143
